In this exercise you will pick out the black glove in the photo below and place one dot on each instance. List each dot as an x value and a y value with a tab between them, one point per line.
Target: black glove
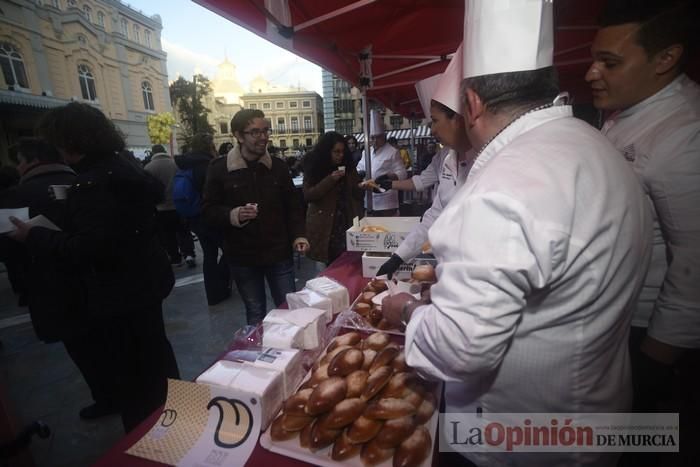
383	181
390	266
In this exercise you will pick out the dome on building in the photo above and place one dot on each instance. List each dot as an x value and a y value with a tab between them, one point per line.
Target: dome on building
225	83
259	84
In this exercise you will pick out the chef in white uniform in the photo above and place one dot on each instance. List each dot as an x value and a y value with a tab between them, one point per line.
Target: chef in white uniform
542	253
385	160
430	176
444	105
637	71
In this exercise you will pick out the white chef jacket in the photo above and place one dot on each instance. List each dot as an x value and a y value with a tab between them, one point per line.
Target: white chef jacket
431	175
660	137
453	174
385	161
541	256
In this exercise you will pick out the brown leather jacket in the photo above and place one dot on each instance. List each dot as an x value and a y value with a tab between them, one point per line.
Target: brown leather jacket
232	182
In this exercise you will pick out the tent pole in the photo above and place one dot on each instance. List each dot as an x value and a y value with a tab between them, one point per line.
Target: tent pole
365	83
368	151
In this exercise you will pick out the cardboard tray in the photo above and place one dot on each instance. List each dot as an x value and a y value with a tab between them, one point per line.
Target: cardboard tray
398	229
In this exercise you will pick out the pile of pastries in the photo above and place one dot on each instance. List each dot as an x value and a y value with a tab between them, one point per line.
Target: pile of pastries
361	399
367	309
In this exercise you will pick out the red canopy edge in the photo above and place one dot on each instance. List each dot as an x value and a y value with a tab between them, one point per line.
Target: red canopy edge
402	35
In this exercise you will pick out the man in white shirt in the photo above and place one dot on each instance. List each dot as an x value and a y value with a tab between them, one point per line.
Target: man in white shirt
542	252
637	71
386	160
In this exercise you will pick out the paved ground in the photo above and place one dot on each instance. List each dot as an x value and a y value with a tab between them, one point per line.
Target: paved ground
41	382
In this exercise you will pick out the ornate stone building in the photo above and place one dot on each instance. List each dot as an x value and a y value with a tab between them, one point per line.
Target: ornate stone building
295	115
97	51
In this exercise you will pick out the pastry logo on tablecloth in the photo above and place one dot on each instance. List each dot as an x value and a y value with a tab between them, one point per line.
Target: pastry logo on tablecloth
235	422
202	425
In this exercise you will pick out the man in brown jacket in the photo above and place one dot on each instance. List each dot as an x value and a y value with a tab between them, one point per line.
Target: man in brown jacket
251	196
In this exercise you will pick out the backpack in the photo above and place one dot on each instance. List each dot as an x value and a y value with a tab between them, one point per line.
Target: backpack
185	195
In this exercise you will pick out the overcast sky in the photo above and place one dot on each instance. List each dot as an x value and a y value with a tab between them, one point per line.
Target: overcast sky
196	37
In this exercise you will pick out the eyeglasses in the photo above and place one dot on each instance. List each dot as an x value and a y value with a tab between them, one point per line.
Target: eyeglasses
257	132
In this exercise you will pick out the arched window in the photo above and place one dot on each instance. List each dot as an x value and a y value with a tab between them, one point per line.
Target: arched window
87	11
87	83
72	3
147	95
101	18
12	66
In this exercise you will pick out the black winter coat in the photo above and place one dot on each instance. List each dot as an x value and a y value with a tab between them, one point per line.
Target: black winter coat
41	280
110	237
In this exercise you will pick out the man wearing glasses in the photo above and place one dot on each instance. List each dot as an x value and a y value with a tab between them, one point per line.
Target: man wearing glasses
251	195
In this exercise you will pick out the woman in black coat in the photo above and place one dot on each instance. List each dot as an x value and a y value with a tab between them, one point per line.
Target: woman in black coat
109	236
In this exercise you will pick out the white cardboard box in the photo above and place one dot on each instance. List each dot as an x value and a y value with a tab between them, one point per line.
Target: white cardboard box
398	229
332	289
266	383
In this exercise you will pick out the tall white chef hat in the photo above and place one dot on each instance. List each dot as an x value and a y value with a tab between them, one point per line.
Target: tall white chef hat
502	36
376	123
426	89
448	89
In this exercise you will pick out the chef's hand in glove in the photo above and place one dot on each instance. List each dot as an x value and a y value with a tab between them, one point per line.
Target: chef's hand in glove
301	245
384	181
390	266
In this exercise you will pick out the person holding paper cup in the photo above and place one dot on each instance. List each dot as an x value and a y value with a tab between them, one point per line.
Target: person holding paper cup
251	197
331	189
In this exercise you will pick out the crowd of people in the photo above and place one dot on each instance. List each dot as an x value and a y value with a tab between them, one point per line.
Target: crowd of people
543	227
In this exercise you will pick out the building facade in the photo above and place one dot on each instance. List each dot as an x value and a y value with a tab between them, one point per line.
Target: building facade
101	52
295	116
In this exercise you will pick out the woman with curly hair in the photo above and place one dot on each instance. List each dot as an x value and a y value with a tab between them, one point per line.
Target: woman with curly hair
331	189
122	273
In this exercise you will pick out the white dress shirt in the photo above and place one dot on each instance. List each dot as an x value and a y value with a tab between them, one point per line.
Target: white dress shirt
660	137
384	161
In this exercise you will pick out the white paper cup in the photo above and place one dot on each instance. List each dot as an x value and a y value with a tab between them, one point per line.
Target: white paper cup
253	205
60	191
341	168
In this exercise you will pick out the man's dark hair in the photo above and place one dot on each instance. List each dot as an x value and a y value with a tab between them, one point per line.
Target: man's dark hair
515	91
81	129
442	108
662	22
242	119
157	149
202	143
34	149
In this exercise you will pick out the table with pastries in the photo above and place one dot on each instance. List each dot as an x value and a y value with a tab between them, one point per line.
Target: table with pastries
347	271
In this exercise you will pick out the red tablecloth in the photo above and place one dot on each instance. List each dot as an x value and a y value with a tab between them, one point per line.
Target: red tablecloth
347	270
